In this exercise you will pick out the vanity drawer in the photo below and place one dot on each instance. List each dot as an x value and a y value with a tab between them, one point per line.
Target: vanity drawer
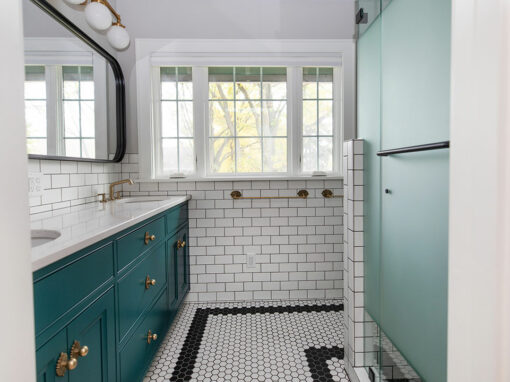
138	353
58	292
130	246
135	294
176	217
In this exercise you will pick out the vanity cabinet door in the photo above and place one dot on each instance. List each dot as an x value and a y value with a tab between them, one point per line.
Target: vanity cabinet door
172	274
182	263
94	328
47	357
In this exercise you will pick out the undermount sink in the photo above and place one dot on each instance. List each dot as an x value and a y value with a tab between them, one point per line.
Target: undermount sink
142	199
43	236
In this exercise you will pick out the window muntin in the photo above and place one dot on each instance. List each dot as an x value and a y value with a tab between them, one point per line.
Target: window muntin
247	120
35	109
78	109
318	124
177	149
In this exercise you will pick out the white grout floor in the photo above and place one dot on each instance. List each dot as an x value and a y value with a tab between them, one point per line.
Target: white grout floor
253	341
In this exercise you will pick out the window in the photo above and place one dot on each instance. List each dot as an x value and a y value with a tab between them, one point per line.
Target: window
176	153
79	117
318	119
35	109
247	120
59	110
243	121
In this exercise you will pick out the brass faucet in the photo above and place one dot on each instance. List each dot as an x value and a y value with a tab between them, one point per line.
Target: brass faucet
112	186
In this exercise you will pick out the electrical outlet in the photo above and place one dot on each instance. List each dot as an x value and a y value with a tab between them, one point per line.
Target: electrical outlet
35	184
250	261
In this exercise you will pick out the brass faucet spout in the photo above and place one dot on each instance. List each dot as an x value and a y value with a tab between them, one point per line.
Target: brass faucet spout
112	186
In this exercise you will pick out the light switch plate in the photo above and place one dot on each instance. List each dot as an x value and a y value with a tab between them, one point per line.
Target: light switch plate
35	184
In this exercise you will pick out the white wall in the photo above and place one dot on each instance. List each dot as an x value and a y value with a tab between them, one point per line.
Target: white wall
17	361
226	19
479	263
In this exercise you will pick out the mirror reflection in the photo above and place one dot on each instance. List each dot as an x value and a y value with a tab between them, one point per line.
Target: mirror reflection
69	92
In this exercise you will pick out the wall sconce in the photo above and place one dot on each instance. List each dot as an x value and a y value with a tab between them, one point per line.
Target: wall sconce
99	15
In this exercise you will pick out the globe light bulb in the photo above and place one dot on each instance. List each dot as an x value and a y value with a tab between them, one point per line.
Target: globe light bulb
74	2
118	37
98	16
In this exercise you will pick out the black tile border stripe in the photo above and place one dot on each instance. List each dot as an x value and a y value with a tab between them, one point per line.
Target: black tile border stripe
317	357
186	362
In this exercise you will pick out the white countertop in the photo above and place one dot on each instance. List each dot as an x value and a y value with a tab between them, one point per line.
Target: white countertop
87	224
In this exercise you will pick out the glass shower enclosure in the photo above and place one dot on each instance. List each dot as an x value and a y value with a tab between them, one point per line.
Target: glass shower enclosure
403	102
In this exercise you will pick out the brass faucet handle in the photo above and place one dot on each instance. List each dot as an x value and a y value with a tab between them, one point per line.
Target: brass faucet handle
103	198
117	195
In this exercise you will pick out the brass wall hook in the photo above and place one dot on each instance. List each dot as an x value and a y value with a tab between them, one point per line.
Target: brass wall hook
327	193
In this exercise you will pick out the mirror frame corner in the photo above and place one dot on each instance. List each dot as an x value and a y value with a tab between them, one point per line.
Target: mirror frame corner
120	87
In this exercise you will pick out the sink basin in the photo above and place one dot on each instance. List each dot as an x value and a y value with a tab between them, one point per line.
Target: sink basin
43	236
142	199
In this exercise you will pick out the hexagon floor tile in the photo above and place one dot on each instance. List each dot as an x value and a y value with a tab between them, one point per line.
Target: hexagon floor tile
253	341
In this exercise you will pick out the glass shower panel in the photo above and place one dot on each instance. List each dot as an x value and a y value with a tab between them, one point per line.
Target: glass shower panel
403	100
414	263
415	56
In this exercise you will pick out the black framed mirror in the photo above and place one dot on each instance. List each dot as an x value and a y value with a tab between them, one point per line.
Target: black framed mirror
75	102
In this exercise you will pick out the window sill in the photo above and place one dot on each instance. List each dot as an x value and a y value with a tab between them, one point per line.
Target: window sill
239	179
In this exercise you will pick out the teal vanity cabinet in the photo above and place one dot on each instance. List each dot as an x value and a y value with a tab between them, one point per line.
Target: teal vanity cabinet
101	313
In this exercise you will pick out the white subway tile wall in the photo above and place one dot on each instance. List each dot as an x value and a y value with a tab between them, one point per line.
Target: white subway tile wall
70	183
297	244
354	245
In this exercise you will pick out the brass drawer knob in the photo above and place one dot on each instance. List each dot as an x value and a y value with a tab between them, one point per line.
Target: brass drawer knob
79	351
149	237
64	364
181	243
149	282
151	337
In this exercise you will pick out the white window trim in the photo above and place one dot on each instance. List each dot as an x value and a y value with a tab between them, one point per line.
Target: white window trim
203	53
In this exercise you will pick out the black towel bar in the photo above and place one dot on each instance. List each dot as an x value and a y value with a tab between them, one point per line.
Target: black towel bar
412	149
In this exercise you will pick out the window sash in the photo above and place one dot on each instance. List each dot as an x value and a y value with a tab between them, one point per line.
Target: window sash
259	75
159	138
319	75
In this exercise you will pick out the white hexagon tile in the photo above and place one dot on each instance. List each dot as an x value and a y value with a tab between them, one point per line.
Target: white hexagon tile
253	341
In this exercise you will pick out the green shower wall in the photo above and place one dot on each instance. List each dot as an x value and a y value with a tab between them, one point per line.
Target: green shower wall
406	238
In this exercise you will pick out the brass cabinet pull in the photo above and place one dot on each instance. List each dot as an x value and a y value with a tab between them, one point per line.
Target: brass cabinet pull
79	351
151	337
149	238
181	243
64	364
149	282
